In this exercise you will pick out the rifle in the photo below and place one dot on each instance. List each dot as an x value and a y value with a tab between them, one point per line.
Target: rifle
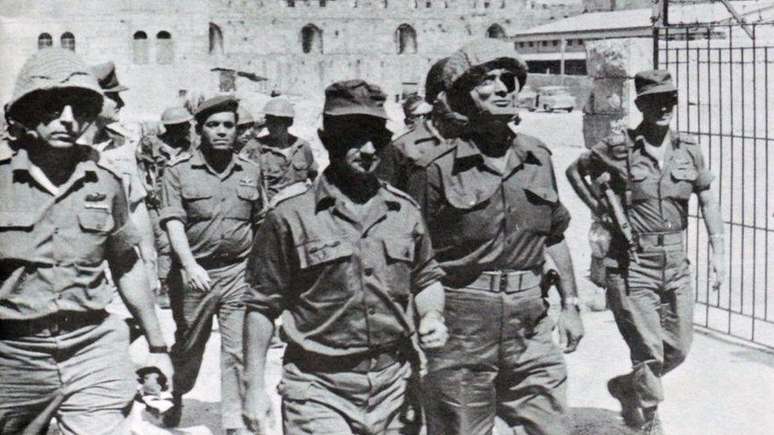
615	209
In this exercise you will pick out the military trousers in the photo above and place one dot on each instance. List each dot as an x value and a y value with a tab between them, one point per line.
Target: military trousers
193	312
652	302
82	377
346	402
500	361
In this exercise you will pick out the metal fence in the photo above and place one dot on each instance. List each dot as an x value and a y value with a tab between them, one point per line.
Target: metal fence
726	99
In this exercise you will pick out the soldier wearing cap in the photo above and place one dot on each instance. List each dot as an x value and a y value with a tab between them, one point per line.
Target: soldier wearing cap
493	211
654	170
119	146
284	158
156	152
415	110
417	148
211	201
63	213
244	129
341	262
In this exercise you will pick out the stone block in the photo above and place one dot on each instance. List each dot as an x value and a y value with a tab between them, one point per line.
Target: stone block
608	96
598	126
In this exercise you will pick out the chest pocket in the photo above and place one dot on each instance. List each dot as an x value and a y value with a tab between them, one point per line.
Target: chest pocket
323	270
319	252
16	233
299	161
197	202
644	187
399	255
96	221
537	216
682	177
248	196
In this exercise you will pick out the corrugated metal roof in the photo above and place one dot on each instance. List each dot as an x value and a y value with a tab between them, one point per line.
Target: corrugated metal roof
635	18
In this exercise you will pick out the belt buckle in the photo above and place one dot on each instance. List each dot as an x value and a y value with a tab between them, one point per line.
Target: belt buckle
503	282
660	239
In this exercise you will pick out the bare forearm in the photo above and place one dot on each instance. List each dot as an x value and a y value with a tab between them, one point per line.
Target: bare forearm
576	178
712	219
141	220
135	291
431	298
258	330
560	254
179	242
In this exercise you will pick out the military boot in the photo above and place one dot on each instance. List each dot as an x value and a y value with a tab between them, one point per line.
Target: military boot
620	387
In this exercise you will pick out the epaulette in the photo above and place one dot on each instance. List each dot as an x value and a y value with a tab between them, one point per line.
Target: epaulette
687	138
105	163
614	145
397	192
246	159
182	157
288	192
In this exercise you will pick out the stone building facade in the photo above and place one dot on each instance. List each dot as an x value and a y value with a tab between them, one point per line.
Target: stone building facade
165	49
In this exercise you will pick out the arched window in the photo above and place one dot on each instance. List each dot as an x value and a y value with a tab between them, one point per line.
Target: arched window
140	47
216	39
165	50
68	41
311	39
45	40
496	31
406	39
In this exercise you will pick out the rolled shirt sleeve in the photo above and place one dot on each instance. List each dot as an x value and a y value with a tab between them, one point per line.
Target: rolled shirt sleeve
171	198
268	269
123	239
560	216
704	178
426	270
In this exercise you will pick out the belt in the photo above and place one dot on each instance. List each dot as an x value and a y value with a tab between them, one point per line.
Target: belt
507	282
660	239
369	361
55	324
218	262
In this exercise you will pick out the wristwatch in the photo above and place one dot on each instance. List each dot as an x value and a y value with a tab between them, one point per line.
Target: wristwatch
158	349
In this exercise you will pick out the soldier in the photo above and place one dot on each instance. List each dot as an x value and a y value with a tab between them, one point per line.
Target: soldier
285	159
116	144
415	149
244	129
341	261
156	152
493	211
653	170
211	200
415	110
63	212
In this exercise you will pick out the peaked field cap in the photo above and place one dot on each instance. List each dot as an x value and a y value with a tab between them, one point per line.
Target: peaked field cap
244	116
50	69
416	105
434	80
221	103
175	115
279	108
354	97
107	78
654	81
479	53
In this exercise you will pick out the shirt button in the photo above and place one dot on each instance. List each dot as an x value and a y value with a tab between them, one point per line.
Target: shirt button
369	271
372	311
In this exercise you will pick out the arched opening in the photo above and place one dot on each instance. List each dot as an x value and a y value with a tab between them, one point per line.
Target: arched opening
216	39
406	38
496	31
311	39
140	47
165	50
68	41
45	40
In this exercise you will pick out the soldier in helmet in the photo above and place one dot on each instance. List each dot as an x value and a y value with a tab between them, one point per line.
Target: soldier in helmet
156	152
284	158
245	128
415	110
341	261
492	207
63	213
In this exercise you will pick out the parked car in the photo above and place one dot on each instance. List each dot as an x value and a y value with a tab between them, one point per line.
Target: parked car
550	98
526	98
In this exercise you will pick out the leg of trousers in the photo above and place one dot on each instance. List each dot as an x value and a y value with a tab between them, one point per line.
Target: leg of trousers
653	307
500	360
194	313
88	370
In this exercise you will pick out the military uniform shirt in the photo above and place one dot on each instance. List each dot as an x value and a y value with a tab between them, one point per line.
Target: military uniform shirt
343	282
481	219
659	196
120	152
52	246
411	151
153	157
281	168
218	211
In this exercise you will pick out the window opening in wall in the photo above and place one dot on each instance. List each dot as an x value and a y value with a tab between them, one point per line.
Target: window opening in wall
291	3
323	3
555	43
45	40
428	4
486	5
68	41
311	39
406	38
165	53
495	31
216	39
531	44
140	47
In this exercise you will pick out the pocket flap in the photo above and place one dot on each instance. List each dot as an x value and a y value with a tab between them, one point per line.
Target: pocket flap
544	194
322	251
688	173
400	249
96	220
18	219
196	192
248	193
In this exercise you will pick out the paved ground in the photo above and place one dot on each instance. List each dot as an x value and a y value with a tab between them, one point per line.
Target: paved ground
723	388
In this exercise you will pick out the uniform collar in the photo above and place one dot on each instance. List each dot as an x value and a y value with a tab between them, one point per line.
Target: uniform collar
639	138
327	195
266	143
21	166
467	155
198	160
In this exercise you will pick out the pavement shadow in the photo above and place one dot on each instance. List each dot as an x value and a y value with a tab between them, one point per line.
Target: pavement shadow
197	413
757	356
597	421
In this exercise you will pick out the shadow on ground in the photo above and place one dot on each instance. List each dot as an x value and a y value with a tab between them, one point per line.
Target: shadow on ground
197	414
597	421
